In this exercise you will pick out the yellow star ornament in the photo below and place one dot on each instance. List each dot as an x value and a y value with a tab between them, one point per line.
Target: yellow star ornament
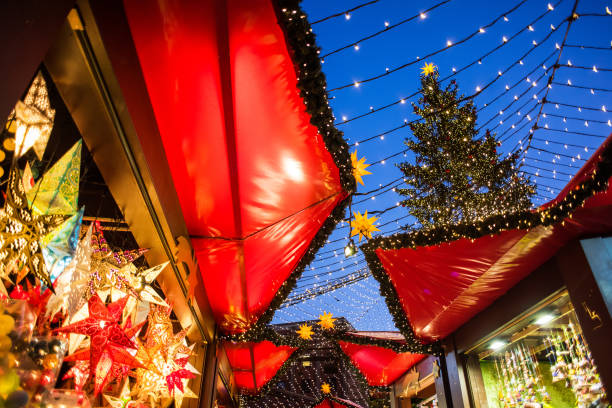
326	320
325	388
305	332
359	167
363	225
428	69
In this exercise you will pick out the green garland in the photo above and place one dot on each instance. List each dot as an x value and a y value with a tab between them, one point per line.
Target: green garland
575	198
290	338
312	85
397	346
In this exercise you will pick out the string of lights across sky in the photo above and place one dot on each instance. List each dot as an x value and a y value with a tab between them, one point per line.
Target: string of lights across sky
538	71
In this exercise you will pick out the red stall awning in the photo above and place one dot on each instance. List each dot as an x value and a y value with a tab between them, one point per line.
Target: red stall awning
380	366
254	364
331	404
254	177
440	287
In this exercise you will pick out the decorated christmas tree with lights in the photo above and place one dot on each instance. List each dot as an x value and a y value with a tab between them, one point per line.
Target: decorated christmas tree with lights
457	176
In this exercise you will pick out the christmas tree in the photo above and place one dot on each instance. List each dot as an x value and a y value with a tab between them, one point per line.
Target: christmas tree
457	177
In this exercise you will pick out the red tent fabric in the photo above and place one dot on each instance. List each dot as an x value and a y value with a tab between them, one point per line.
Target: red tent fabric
254	364
441	287
253	175
379	365
330	404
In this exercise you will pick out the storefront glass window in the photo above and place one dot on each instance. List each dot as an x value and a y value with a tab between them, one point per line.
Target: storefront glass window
541	361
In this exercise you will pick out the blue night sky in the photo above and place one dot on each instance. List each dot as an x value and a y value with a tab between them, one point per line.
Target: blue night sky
555	154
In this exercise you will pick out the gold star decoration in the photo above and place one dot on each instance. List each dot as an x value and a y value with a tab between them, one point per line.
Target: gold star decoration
428	69
20	235
165	356
305	332
363	225
326	320
124	398
359	167
326	388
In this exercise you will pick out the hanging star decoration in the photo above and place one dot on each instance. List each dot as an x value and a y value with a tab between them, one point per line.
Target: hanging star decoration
305	332
326	321
165	357
59	246
57	191
123	399
363	225
326	388
79	372
108	340
20	235
72	282
107	273
140	281
34	119
428	69
359	167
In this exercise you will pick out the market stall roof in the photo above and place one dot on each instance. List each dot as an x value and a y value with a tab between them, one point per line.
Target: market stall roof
254	364
380	366
435	281
260	186
326	403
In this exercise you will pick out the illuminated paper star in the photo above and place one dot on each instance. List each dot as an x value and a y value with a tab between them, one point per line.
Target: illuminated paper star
20	234
165	358
359	167
363	225
123	399
428	69
71	284
59	246
57	191
108	340
305	332
34	119
80	373
106	267
326	320
325	388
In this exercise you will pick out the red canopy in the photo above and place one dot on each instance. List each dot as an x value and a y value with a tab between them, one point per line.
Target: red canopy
380	366
441	287
253	175
254	364
329	404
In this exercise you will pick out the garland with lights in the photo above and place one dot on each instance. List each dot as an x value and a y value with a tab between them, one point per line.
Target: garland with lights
341	332
312	85
496	224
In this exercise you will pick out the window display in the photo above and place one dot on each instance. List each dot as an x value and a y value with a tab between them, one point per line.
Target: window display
541	361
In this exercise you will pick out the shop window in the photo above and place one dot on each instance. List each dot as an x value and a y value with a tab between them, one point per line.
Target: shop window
541	360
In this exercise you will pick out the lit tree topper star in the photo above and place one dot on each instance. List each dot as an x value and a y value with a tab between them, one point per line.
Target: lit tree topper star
325	388
305	332
428	69
359	167
363	225
326	320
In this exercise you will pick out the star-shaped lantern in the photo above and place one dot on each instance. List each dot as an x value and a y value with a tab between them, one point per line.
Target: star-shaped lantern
326	320
359	167
305	332
123	399
108	340
428	69
363	225
165	357
106	266
20	235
